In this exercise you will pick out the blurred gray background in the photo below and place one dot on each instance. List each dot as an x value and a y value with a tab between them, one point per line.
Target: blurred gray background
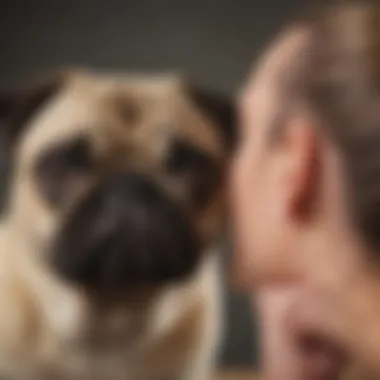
214	41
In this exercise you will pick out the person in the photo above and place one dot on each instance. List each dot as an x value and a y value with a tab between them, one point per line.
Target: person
305	187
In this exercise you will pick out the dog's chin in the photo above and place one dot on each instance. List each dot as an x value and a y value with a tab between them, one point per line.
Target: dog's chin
126	233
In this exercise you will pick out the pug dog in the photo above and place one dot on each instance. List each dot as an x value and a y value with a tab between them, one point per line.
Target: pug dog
108	266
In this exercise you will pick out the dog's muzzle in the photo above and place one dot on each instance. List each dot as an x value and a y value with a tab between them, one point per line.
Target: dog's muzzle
125	233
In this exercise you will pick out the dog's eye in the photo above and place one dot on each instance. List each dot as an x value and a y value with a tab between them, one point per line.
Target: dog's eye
184	157
62	166
197	167
74	157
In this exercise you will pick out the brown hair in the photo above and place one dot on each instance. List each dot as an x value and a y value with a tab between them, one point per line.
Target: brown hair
340	82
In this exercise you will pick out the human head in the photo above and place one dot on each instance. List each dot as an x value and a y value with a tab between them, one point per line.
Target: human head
308	164
307	172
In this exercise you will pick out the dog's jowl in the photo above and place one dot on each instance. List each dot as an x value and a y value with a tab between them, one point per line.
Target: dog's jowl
114	205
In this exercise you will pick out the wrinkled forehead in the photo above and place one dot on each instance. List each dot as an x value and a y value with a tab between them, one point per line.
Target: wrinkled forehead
99	104
148	86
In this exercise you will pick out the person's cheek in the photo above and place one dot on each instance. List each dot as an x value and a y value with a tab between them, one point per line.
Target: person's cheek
238	184
246	212
239	206
261	238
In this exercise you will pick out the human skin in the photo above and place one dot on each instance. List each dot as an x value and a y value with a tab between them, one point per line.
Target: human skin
296	250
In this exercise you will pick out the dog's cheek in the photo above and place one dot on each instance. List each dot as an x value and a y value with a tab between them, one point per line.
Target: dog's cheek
198	170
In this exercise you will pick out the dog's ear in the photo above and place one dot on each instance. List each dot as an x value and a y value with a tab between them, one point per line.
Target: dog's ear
18	105
220	108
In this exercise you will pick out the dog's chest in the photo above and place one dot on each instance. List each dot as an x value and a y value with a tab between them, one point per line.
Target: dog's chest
108	347
152	341
132	344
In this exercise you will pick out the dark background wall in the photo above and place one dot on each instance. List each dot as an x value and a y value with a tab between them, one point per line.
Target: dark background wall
214	41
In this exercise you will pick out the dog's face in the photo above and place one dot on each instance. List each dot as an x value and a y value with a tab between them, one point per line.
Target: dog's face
116	180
